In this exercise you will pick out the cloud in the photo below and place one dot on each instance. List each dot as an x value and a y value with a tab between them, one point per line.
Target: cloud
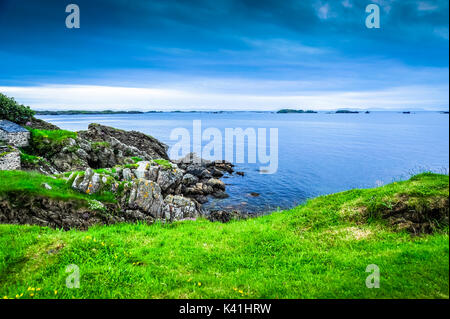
426	6
288	50
54	97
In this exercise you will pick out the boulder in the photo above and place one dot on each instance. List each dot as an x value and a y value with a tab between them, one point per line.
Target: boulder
169	179
189	179
178	208
216	184
146	196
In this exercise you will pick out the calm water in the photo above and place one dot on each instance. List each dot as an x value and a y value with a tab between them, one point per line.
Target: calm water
318	153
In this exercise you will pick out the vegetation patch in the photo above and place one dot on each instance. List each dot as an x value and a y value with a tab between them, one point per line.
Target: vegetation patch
31	183
137	159
164	163
13	111
100	145
316	250
45	142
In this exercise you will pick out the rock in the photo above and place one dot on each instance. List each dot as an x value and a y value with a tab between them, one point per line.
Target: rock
127	175
179	207
153	172
201	199
253	194
240	173
129	143
216	183
89	182
146	196
189	179
169	179
207	189
44	211
96	183
224	166
46	186
195	169
224	216
216	173
41	125
82	183
142	170
206	174
220	194
192	158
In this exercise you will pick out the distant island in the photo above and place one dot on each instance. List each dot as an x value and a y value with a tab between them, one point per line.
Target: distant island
74	112
283	111
80	112
346	112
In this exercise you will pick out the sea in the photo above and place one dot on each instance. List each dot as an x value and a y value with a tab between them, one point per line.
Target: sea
315	153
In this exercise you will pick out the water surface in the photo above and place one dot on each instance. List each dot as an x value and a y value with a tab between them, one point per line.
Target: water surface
318	153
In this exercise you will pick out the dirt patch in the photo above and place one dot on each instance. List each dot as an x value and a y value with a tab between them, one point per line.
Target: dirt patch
415	215
352	233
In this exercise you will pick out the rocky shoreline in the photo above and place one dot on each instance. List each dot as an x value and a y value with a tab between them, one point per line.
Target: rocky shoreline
132	167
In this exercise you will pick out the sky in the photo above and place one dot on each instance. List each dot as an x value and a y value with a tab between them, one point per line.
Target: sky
225	55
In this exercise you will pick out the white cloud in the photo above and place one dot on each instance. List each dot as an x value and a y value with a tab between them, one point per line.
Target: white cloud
323	11
58	97
426	6
347	4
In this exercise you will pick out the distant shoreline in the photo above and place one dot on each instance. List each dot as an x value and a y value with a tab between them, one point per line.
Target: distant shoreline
282	111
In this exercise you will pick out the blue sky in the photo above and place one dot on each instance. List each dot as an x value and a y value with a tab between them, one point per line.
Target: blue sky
225	54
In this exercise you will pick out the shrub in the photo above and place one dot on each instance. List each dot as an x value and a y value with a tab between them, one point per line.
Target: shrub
13	111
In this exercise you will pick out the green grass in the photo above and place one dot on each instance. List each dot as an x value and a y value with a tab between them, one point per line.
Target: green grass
49	142
52	135
317	250
136	159
31	183
164	163
24	157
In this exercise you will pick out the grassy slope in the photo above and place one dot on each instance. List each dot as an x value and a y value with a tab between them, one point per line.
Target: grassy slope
31	183
312	251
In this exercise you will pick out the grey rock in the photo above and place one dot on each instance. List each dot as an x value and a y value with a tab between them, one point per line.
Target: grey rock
46	186
146	196
179	207
127	175
189	179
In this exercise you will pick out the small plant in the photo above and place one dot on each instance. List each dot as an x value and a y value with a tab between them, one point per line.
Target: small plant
164	163
137	159
99	145
96	205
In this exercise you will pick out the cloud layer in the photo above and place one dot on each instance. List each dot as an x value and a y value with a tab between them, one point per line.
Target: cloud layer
225	54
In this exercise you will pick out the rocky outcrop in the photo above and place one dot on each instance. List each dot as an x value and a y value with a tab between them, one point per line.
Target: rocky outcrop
99	147
202	177
149	188
41	124
130	143
131	167
19	208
